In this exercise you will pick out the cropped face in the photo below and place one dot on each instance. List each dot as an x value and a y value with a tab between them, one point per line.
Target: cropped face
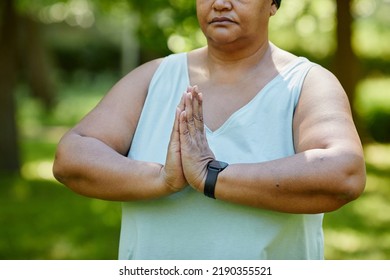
225	21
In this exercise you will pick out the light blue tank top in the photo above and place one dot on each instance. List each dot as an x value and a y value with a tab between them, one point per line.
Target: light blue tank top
189	225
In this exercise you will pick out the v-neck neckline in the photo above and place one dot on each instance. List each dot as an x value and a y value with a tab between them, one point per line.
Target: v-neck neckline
258	95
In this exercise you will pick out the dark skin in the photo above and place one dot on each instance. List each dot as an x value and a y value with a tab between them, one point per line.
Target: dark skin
326	172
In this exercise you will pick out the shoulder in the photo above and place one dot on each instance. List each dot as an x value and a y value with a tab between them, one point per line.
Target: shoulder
281	58
323	114
322	85
322	88
115	117
321	76
136	82
133	87
143	73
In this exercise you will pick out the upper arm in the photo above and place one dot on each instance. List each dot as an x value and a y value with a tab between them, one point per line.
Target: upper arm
323	122
114	120
323	117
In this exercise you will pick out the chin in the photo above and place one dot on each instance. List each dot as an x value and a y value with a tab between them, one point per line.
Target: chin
222	39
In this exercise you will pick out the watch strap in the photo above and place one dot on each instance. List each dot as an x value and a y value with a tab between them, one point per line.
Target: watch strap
211	180
213	169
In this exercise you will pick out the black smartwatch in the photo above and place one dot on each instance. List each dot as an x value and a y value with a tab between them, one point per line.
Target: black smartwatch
213	169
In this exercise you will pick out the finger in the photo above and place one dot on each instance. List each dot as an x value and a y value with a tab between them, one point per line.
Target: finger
196	109
183	128
198	116
181	103
179	109
176	129
195	103
189	117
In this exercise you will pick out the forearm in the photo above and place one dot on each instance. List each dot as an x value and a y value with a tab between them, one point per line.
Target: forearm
311	182
91	168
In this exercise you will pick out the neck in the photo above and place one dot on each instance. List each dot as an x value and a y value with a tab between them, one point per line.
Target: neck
237	50
224	58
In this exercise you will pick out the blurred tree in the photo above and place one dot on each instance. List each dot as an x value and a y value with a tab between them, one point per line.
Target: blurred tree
346	65
36	60
163	20
9	153
21	51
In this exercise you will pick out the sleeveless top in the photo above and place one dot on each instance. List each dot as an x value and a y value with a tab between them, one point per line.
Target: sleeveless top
188	225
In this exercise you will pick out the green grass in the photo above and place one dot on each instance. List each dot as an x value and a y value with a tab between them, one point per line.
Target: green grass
41	219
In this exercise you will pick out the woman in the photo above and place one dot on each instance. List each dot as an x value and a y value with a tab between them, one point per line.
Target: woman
267	134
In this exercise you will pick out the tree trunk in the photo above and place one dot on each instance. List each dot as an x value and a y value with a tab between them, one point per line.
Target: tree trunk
36	60
346	65
9	151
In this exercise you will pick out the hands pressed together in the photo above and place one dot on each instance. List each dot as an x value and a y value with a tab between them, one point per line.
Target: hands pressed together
188	151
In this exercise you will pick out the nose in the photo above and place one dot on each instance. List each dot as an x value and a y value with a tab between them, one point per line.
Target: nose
220	5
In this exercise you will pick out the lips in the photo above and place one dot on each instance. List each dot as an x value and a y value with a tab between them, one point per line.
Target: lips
222	20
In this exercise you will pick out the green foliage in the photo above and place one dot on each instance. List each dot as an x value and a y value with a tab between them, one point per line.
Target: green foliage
306	27
372	28
373	105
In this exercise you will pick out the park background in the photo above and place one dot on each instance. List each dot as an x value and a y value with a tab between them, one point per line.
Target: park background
58	58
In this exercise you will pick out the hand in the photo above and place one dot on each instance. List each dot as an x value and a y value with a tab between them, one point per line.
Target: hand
172	171
195	151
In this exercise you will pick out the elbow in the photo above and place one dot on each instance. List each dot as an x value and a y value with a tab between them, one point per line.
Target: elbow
66	172
63	169
352	183
66	164
59	168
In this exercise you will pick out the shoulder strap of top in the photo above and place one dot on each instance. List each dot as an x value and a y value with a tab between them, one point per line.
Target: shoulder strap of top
295	74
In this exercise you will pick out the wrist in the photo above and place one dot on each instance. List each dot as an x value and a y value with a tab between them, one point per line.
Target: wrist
170	184
213	169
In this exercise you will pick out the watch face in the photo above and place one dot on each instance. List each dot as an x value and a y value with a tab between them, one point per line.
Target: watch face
220	165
